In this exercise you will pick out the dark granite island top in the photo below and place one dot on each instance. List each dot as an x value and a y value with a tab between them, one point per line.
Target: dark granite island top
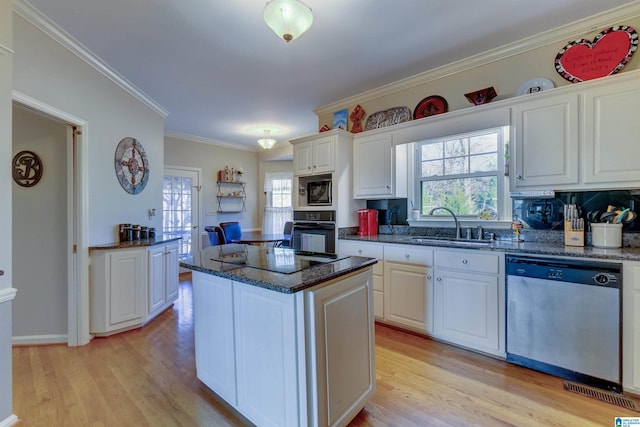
133	244
278	269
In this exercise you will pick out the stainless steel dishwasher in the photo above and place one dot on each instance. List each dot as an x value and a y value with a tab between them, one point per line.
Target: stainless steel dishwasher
564	318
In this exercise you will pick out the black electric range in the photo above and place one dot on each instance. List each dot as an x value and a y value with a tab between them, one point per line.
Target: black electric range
274	259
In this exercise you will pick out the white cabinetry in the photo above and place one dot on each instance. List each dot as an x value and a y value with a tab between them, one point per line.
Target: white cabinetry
379	168
315	156
631	326
369	250
610	127
287	359
469	299
408	287
546	142
129	287
117	294
163	277
578	137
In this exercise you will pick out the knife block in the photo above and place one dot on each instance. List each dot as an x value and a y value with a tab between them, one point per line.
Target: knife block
572	237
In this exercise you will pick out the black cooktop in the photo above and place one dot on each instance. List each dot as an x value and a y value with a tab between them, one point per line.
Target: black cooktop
278	260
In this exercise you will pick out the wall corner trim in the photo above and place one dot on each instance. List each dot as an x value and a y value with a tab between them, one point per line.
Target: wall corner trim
44	24
7	294
7	422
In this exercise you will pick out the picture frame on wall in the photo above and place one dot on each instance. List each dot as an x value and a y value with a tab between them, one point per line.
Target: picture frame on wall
340	119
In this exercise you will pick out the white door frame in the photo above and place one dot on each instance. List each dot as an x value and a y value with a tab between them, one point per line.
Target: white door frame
196	230
77	199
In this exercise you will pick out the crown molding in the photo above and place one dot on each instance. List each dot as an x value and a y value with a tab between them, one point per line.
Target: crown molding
560	34
44	24
202	140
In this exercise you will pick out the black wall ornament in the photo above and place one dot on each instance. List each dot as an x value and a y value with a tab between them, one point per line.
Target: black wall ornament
132	166
27	168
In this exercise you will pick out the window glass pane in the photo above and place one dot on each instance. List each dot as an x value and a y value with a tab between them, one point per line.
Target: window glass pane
463	196
432	151
483	163
483	144
455	166
456	147
432	168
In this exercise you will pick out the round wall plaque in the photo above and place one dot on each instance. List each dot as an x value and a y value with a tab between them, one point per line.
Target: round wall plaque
132	166
27	169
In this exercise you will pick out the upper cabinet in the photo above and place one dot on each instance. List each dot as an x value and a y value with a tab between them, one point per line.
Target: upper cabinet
546	142
315	156
578	137
379	168
611	130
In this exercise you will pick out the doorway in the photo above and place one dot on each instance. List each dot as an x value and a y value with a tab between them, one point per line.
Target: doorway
50	258
181	210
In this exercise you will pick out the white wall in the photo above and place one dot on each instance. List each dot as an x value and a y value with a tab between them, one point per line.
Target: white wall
6	292
211	158
39	231
50	73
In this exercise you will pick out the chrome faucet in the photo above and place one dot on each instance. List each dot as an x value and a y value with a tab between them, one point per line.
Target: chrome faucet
454	218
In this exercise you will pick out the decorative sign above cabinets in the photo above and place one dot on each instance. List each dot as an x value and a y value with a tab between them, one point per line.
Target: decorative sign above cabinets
389	117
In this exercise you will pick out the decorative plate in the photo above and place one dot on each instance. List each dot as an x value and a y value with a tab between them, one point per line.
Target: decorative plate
481	96
132	166
430	106
609	52
487	214
27	168
389	117
535	85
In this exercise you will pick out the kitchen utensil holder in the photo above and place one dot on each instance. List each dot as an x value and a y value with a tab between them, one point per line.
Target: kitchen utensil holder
572	237
606	235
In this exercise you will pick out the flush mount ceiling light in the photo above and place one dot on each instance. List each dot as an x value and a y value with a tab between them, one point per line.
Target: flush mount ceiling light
288	18
267	142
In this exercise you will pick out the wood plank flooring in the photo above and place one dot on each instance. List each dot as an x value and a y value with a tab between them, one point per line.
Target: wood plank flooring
146	377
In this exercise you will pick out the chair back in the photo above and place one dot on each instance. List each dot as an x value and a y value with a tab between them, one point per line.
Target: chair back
231	230
288	228
216	235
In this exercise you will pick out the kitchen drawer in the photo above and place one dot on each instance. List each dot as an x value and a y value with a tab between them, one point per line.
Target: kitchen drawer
369	250
408	254
468	261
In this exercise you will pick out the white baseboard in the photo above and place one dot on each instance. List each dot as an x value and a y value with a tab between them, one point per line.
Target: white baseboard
9	421
39	339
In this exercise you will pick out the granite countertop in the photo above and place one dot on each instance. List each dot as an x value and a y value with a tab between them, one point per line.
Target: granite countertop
512	247
159	239
281	282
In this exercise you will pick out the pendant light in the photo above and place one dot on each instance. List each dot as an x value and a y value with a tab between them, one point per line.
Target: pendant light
288	18
267	142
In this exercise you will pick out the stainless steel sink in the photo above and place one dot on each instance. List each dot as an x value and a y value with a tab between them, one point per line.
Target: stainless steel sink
456	242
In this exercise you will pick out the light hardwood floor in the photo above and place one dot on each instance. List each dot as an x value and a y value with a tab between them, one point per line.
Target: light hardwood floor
146	377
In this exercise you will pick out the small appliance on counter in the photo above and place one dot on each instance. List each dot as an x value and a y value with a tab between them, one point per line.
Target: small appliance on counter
368	220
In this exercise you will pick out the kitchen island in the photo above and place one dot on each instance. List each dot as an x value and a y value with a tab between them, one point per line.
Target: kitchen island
285	339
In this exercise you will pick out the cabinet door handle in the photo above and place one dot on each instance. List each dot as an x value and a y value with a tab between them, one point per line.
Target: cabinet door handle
360	251
1	272
519	177
407	256
428	277
464	261
388	187
439	279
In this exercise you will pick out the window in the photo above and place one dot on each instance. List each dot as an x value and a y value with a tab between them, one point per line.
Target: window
464	173
279	208
177	212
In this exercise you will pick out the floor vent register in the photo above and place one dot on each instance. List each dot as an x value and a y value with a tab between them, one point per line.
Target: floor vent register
605	396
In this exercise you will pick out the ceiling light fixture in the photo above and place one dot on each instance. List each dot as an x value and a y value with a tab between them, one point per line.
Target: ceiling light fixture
267	142
288	18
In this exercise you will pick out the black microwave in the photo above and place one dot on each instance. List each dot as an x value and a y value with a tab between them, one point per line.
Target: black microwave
319	193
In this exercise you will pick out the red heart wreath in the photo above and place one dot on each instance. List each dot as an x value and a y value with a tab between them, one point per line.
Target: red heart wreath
609	52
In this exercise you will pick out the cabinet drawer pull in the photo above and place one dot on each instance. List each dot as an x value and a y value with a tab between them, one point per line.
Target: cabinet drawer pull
1	272
439	279
407	256
428	276
464	261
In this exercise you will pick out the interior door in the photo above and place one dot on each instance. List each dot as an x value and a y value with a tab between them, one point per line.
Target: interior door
181	210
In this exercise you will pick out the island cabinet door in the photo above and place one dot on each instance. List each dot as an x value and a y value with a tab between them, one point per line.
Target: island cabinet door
341	348
267	356
213	333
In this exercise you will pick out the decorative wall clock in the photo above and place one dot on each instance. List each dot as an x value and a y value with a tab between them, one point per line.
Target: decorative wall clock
27	169
609	52
132	166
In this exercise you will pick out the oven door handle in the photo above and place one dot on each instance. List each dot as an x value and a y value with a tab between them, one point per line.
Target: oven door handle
314	226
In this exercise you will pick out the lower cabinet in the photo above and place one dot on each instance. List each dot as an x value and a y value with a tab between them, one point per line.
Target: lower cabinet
408	287
631	326
370	250
129	287
303	359
468	301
